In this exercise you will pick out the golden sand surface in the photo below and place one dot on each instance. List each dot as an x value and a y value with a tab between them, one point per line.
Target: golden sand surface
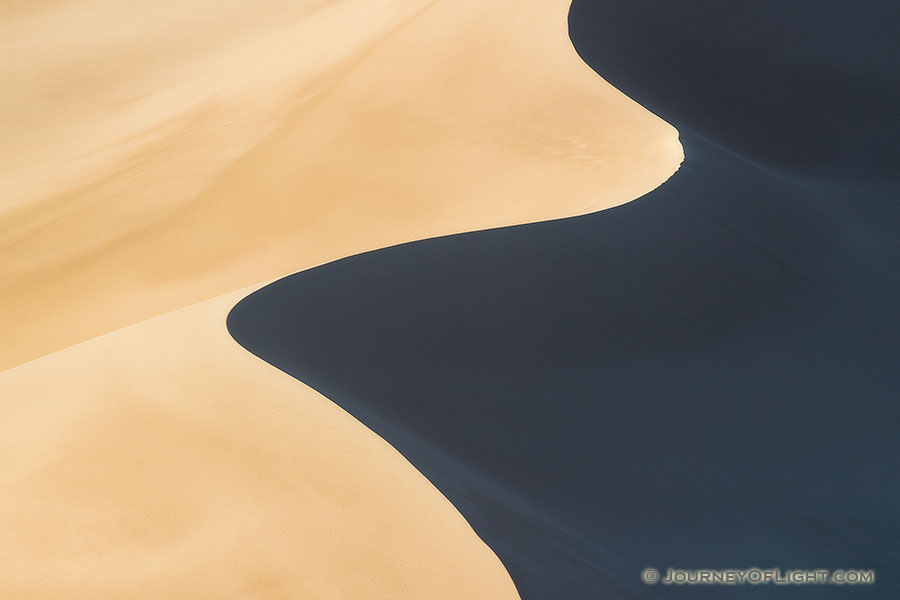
156	154
164	461
156	157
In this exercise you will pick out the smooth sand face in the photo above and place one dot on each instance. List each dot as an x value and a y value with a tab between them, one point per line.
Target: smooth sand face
165	461
157	155
154	156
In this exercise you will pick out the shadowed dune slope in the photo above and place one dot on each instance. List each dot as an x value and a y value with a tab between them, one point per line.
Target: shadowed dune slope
705	377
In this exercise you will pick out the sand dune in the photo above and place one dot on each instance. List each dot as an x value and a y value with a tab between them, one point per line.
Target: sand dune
706	376
156	156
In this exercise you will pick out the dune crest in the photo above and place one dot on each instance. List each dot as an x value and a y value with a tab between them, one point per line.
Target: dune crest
156	159
161	157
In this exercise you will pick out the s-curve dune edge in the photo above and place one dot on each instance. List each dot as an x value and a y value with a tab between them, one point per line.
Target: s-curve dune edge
158	157
703	378
158	154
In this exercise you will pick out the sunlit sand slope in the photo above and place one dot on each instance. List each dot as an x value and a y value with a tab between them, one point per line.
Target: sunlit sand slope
165	461
157	154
